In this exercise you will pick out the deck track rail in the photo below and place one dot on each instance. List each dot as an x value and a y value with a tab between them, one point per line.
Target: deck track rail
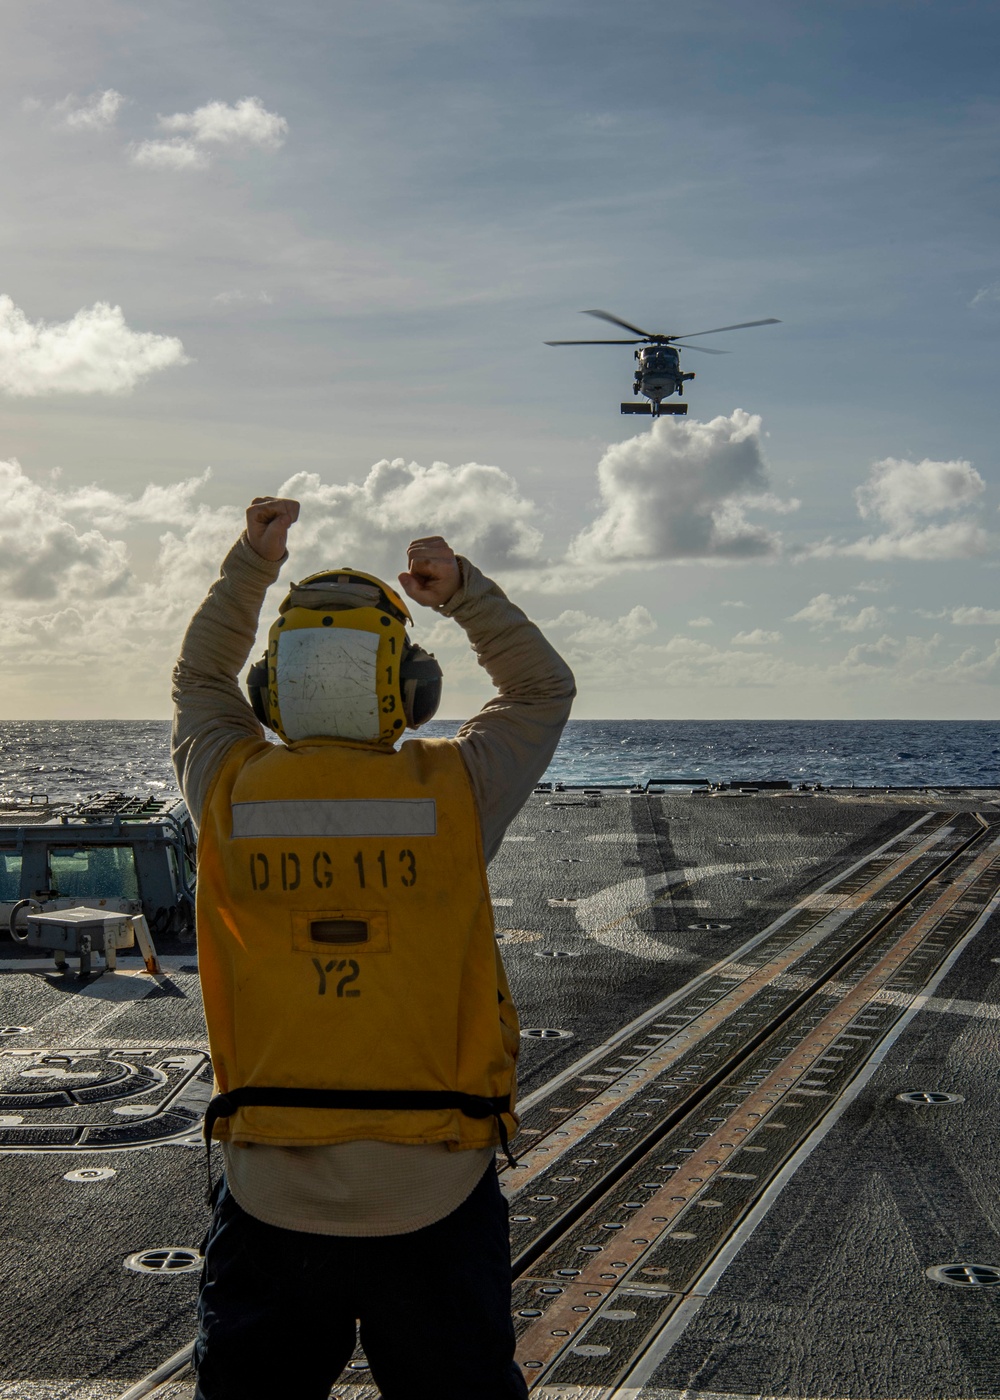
616	1226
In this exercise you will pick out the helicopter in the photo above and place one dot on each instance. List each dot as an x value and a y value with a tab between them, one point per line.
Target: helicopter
658	372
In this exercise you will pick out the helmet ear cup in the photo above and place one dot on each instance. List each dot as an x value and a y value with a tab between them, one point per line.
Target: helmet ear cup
420	680
257	690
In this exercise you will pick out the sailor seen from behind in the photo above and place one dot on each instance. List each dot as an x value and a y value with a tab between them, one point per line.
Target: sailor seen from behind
361	1027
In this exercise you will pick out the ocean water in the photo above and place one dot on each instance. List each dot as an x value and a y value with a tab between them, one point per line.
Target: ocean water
67	760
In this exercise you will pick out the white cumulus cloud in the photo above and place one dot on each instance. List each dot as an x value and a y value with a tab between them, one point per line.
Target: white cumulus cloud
94	352
958	539
886	654
757	638
42	554
900	492
174	504
681	491
87	609
191	136
98	112
902	495
236	297
584	630
975	617
246	123
478	508
700	622
972	667
169	155
825	610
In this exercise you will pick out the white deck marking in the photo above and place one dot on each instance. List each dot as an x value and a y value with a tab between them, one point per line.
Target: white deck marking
726	964
611	915
947	1006
633	838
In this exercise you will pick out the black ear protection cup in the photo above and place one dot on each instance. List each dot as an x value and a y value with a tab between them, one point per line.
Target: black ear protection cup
257	691
420	682
420	679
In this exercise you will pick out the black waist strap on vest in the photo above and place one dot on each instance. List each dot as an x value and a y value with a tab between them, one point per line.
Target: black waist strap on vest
472	1105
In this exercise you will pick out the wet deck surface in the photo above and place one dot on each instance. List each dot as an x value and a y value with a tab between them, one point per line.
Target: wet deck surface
703	960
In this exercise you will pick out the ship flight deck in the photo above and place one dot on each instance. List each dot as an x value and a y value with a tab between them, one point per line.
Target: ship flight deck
759	1097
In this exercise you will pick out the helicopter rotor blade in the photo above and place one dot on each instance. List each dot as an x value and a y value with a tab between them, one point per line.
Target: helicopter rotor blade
617	321
740	325
596	342
703	348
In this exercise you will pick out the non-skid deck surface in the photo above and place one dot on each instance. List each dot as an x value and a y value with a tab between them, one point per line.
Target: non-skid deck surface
609	908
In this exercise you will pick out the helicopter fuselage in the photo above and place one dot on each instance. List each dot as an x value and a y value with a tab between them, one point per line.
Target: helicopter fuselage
658	372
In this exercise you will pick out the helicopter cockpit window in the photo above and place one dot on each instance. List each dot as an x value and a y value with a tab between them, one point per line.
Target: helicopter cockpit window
661	358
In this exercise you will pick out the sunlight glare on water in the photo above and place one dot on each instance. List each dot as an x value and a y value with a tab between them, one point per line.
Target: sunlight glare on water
71	759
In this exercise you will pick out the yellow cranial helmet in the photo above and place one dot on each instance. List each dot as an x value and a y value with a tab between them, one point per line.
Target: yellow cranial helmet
339	664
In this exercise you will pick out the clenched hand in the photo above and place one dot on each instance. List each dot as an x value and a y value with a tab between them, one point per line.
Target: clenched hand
433	576
268	519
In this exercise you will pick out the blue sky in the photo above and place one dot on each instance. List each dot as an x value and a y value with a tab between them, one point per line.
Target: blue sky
346	231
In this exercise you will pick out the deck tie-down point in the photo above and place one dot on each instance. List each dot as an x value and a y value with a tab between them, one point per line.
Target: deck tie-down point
965	1275
172	1259
929	1097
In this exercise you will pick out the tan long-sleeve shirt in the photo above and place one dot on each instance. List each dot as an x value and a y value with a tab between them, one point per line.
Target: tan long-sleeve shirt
366	1187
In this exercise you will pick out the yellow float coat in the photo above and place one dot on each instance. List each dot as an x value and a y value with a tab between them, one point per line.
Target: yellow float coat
346	942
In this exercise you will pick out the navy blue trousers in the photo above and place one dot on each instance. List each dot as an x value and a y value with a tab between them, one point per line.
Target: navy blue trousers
277	1308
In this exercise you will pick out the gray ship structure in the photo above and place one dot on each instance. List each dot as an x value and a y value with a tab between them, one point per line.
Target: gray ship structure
759	1096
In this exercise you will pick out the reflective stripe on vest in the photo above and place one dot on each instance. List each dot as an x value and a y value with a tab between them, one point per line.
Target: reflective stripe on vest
413	816
346	949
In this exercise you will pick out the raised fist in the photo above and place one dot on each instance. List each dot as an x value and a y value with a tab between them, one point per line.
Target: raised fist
434	575
268	519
